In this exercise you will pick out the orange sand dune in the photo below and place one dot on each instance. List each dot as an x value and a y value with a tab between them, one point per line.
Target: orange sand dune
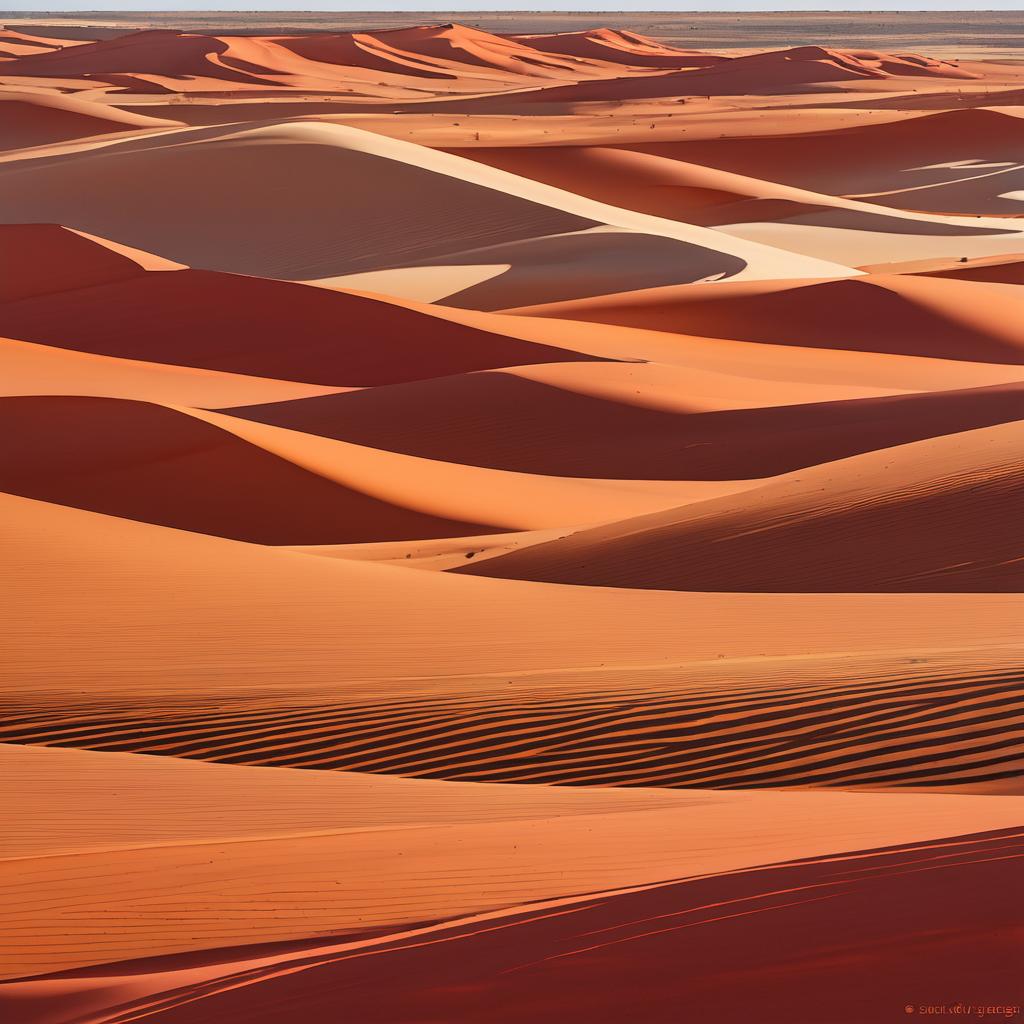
158	53
174	643
503	421
339	492
28	119
20	44
237	324
434	555
922	152
769	73
334	620
619	47
506	500
911	315
615	955
27	369
838	373
417	207
147	462
932	516
995	269
462	45
199	881
658	185
416	64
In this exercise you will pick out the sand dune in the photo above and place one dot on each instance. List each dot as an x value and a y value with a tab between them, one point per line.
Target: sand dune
768	73
906	314
566	683
236	324
147	462
28	120
932	516
619	47
219	594
41	259
574	961
27	369
392	835
503	421
994	269
867	157
113	191
19	44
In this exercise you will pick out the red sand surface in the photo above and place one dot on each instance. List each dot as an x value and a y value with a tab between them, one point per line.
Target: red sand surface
509	527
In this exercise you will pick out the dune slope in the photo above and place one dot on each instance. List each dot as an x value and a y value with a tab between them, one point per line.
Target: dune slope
932	516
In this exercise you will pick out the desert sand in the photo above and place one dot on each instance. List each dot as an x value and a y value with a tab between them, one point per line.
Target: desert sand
510	521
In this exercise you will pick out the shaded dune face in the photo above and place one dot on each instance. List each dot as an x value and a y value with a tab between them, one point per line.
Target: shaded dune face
504	422
146	462
581	961
264	328
514	525
892	507
904	315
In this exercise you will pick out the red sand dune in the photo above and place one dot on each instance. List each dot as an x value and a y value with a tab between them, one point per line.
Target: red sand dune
19	44
27	369
938	515
43	259
619	47
429	211
28	119
866	158
145	462
503	421
296	823
994	269
237	324
763	73
926	914
908	314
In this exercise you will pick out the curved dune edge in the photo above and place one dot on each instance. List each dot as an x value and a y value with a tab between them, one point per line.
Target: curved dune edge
29	369
898	314
516	423
323	155
585	953
146	629
436	555
115	576
43	259
236	324
1007	269
30	119
218	474
934	515
157	464
494	847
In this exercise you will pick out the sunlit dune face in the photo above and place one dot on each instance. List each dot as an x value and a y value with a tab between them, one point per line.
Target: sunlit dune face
511	522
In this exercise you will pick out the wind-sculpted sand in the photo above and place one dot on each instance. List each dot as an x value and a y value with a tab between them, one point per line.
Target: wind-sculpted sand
506	526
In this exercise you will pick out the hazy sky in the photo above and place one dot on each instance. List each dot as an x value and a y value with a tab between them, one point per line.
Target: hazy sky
514	5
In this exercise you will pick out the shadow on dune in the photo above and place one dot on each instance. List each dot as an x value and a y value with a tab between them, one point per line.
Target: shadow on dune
263	328
585	264
501	421
928	923
156	465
